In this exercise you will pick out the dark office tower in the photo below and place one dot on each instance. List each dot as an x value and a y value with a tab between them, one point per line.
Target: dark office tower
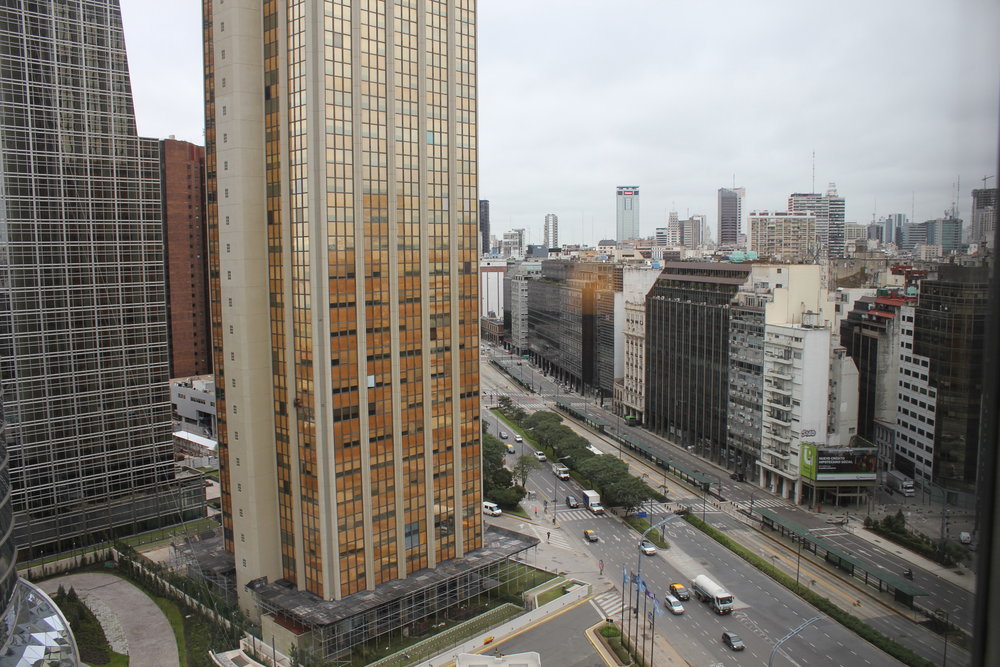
563	323
730	216
83	326
484	227
33	631
182	180
949	329
984	216
343	245
687	353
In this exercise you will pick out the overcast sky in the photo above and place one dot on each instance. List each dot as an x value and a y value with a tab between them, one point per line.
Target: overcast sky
898	99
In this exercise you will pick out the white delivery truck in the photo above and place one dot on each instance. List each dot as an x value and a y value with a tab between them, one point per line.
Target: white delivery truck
899	483
715	595
592	501
560	471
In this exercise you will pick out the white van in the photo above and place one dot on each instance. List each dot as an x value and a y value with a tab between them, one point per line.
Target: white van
673	605
491	509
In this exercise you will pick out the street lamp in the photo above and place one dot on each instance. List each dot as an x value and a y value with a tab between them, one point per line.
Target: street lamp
770	658
939	613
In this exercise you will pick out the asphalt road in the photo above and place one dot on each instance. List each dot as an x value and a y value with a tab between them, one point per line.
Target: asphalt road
941	594
559	640
697	633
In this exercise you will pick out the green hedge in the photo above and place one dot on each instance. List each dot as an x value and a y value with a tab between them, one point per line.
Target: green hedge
640	525
851	622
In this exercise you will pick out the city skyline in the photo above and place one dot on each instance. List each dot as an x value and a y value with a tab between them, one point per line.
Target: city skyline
893	143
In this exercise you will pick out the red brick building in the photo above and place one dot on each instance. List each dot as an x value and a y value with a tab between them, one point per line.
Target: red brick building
182	178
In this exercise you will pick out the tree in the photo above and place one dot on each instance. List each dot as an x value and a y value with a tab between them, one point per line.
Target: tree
628	493
505	404
507	497
603	470
523	467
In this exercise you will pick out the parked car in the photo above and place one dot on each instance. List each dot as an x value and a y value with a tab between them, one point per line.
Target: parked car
680	592
647	547
504	435
733	641
540	455
572	502
518	438
590	535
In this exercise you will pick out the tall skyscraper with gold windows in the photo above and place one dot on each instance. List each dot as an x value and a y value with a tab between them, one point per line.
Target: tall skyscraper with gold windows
341	140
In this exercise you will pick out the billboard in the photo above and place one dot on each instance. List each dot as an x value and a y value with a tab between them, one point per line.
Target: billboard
837	464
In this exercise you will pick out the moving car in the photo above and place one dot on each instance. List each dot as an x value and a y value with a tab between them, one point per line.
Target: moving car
673	605
540	455
491	509
518	438
733	641
647	547
680	592
590	535
510	448
504	435
572	502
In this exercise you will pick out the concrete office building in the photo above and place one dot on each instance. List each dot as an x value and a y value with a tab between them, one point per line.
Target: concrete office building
550	235
514	244
626	213
84	346
730	216
343	217
784	237
630	389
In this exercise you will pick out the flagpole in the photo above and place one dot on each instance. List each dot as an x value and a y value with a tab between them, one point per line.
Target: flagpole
652	632
628	620
645	606
624	588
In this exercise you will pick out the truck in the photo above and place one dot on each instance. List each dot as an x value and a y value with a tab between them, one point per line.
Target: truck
560	471
592	501
897	482
715	595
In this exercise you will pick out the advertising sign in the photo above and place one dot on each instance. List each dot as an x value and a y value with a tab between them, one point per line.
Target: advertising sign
841	464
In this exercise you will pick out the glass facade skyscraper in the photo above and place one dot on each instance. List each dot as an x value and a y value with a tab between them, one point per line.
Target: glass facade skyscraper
83	329
627	212
343	244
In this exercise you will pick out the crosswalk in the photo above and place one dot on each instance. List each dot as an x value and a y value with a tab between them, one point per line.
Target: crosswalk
557	538
609	602
769	503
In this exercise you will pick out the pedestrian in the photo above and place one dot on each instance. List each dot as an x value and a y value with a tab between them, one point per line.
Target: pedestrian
600	566
548	534
536	511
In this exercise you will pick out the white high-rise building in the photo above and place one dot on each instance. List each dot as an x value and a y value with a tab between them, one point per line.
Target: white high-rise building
829	210
783	237
550	235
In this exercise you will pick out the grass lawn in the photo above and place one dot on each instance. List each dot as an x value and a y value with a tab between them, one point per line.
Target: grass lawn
551	594
640	526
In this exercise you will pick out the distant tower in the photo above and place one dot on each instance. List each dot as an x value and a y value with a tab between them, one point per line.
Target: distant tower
484	226
730	215
551	233
627	212
984	215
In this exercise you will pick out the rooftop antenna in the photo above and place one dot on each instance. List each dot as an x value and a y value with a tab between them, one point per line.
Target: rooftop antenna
913	206
814	172
734	181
